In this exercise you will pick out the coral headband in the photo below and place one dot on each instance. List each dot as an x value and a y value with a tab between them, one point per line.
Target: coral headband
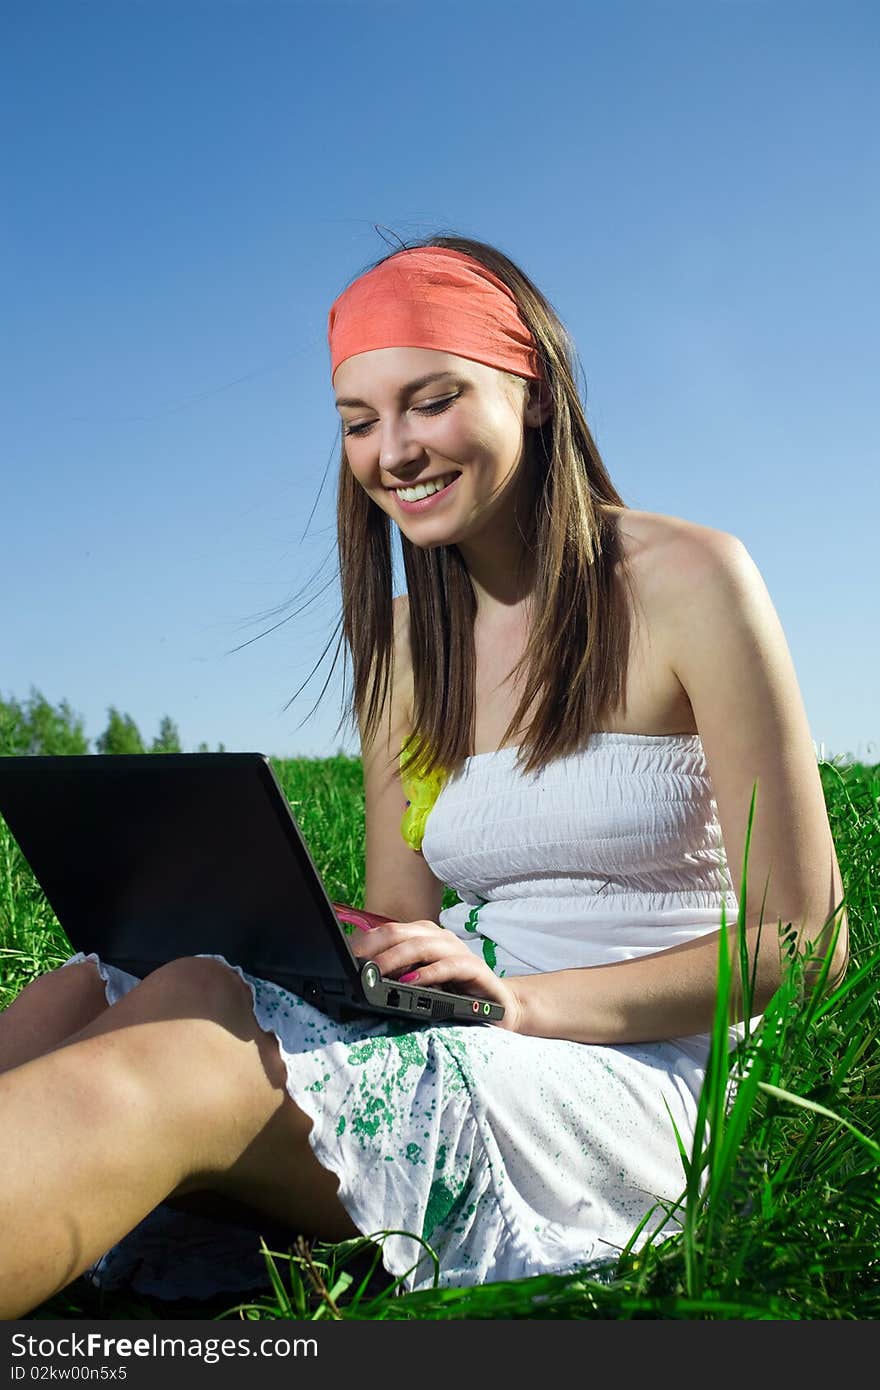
433	297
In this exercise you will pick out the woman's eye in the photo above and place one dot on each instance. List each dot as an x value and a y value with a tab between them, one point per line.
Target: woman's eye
434	408
437	406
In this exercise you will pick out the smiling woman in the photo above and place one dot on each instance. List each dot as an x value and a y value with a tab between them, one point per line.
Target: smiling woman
563	719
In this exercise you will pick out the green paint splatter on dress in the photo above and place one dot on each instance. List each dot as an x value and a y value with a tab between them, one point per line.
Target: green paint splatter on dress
340	1125
473	916
465	1215
319	1084
489	946
394	1033
445	1202
362	1052
374	1114
458	1074
441	1200
411	1055
414	1153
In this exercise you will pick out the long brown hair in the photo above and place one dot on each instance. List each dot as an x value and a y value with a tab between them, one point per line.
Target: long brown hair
577	653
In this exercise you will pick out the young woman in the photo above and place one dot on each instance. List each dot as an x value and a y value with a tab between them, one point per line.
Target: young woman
563	719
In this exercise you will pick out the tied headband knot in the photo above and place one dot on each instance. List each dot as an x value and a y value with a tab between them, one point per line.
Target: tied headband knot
433	297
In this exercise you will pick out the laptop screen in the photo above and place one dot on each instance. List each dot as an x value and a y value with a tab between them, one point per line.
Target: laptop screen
145	858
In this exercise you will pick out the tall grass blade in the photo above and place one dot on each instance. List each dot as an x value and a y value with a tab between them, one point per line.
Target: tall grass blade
870	1144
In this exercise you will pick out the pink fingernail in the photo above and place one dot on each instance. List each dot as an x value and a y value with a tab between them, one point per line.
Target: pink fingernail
413	975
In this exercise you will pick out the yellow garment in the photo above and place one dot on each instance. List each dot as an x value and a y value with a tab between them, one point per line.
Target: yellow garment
421	793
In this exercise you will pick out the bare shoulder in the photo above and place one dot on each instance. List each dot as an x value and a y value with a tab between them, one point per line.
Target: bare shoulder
690	578
664	554
664	558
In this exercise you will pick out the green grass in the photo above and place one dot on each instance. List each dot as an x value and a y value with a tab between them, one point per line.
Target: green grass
780	1207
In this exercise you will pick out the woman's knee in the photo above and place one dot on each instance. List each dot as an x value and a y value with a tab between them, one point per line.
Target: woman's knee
51	1009
74	989
196	987
203	988
186	1040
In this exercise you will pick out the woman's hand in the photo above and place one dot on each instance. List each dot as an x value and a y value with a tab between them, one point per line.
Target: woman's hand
422	952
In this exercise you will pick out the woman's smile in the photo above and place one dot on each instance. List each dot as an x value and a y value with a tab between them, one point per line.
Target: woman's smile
423	496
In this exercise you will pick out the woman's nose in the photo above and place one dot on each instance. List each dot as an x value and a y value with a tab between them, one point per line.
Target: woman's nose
397	443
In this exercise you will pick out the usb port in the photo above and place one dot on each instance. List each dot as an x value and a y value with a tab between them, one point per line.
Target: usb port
423	1002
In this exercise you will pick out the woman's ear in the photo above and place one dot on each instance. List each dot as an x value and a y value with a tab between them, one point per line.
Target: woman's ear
539	403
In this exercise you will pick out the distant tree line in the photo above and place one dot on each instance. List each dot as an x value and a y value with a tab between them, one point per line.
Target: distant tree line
34	726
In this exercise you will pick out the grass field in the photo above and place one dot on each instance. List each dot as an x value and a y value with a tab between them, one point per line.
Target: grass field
780	1210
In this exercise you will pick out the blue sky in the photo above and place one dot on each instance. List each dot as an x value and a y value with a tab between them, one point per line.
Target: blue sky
187	186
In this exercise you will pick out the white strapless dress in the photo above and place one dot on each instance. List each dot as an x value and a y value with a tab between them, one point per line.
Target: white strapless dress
508	1155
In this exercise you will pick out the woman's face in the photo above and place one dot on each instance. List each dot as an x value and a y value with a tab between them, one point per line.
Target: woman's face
414	415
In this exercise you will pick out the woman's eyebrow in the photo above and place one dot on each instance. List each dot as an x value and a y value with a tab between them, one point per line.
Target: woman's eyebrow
404	390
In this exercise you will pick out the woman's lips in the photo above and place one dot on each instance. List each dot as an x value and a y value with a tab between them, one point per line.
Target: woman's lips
426	502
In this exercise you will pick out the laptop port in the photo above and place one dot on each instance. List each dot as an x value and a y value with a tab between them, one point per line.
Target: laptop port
423	1002
393	999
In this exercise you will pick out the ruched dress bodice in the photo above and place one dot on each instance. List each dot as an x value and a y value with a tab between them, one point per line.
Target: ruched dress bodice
603	855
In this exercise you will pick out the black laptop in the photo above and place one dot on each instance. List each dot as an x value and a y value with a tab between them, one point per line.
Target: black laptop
144	858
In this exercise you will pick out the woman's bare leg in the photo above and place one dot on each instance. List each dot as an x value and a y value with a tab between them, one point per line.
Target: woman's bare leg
48	1011
46	1014
175	1089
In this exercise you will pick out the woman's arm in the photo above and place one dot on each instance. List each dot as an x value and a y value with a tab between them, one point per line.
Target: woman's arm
669	994
398	881
724	641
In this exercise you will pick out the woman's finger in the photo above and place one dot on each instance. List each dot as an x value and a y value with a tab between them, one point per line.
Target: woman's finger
370	945
414	953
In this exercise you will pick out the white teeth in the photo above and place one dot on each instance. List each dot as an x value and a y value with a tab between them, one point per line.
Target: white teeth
415	494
